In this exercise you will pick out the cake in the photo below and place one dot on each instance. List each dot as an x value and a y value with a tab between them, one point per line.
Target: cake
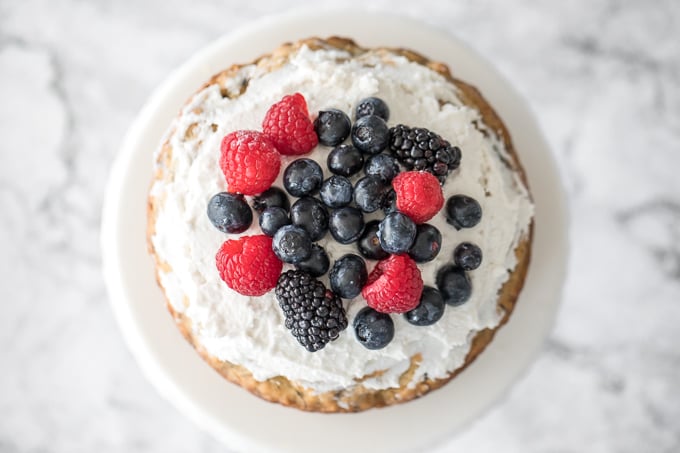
425	259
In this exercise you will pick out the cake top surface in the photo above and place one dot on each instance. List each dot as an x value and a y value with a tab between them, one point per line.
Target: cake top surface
250	331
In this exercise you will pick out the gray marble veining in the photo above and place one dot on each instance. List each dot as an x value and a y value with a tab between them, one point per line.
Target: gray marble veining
604	80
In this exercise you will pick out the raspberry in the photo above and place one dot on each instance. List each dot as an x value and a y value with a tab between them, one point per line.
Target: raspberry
249	162
288	126
248	265
419	195
394	285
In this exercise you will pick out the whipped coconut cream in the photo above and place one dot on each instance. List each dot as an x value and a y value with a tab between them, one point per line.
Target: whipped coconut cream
250	331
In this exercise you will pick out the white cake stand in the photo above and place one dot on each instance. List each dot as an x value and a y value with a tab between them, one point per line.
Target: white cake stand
242	421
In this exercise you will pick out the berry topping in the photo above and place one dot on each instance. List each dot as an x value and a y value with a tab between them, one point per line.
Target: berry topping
229	213
288	126
374	330
370	134
336	191
292	244
346	224
369	244
369	193
429	310
463	211
420	149
467	256
272	219
317	264
454	285
269	198
310	214
314	315
249	161
345	160
419	195
394	285
302	177
332	126
248	266
348	275
389	203
383	166
372	106
427	244
396	233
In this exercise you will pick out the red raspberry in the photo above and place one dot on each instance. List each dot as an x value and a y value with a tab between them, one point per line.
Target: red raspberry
288	126
248	265
394	286
419	195
249	161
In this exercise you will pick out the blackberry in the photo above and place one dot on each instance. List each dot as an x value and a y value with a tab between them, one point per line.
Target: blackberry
420	149
314	315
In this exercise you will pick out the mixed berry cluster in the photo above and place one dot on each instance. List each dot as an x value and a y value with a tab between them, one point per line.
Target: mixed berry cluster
394	174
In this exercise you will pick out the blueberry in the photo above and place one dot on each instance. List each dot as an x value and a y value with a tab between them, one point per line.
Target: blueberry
310	214
317	264
372	106
346	224
369	244
467	256
384	166
370	134
429	310
292	244
373	329
332	126
454	285
302	177
396	233
463	211
271	197
272	219
427	244
336	191
369	193
348	275
345	160
229	213
389	203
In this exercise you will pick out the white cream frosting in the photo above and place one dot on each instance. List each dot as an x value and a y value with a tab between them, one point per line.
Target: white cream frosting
250	330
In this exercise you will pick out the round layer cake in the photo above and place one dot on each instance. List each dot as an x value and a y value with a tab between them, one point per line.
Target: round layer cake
247	338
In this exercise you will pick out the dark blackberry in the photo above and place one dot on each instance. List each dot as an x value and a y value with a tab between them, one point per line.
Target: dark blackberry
420	149
314	314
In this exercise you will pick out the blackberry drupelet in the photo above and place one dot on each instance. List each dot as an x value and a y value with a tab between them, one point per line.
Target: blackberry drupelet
420	149
314	314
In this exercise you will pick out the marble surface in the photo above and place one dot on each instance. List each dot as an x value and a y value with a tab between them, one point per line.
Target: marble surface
604	80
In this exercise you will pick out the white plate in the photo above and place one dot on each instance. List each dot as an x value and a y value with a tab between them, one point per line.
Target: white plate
242	421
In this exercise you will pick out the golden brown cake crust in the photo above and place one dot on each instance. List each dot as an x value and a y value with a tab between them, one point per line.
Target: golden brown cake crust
358	398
